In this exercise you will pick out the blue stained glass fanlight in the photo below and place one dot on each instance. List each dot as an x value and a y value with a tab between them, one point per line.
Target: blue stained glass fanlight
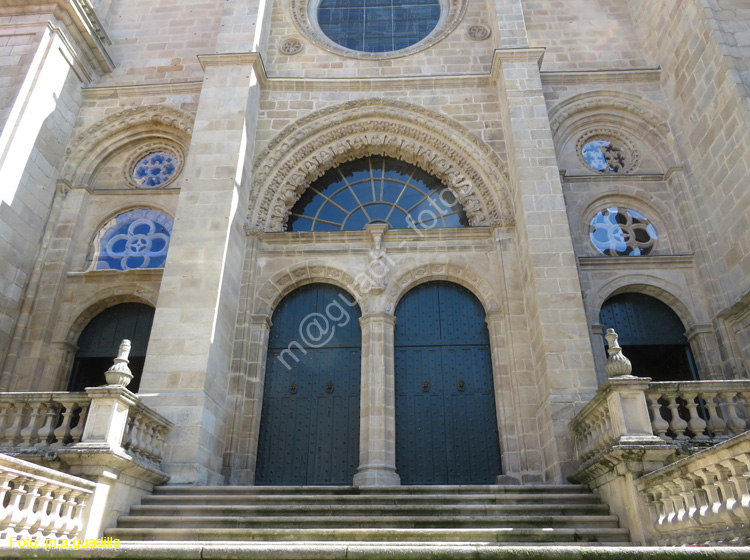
377	25
155	169
376	190
134	239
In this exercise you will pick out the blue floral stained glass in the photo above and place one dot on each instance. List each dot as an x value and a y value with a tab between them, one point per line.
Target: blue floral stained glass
604	156
155	169
377	25
135	239
376	190
622	232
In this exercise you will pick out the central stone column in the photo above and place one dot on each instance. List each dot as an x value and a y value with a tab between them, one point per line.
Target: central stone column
377	436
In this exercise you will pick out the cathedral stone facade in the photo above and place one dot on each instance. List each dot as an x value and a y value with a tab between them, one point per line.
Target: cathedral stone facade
372	243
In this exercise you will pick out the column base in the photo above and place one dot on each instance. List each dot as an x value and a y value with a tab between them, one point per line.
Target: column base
376	475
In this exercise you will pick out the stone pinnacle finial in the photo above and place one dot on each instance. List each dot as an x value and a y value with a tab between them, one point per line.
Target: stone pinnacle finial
119	374
617	364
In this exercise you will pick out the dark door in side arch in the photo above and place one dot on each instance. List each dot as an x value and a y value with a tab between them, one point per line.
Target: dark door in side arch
309	428
446	422
100	341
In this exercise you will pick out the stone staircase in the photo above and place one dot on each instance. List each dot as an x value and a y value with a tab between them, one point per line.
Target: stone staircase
498	515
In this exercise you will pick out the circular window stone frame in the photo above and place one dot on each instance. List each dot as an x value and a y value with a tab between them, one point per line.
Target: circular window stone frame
632	156
451	14
145	150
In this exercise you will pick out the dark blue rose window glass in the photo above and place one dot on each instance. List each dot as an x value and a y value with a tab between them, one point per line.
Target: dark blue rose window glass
376	190
135	239
377	26
155	169
622	232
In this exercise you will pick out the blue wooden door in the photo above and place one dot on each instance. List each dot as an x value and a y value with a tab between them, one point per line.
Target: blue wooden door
309	430
446	424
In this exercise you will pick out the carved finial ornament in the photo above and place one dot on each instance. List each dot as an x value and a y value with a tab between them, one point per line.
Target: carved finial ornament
617	364
120	374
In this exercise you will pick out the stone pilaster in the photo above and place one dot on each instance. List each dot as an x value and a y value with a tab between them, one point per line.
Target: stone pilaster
188	362
562	358
377	436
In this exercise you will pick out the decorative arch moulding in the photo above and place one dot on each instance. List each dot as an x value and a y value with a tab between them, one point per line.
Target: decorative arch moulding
440	146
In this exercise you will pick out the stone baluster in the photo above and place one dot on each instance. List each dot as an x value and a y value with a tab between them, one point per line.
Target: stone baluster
62	432
735	424
722	479
59	505
79	503
5	414
71	518
667	506
126	436
31	513
14	431
659	426
740	506
676	424
715	511
716	424
77	432
44	521
16	503
745	406
696	424
29	433
6	494
46	432
135	437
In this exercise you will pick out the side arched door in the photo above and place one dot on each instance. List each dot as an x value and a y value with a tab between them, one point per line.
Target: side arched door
446	422
309	428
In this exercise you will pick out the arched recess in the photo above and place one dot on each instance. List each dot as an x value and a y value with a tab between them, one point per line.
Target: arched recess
100	339
441	271
155	125
446	422
284	282
440	146
652	336
623	112
309	426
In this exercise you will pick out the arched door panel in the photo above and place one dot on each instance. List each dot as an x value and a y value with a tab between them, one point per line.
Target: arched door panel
309	432
100	340
446	423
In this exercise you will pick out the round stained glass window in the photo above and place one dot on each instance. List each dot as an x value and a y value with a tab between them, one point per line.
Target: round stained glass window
155	169
377	26
622	232
605	156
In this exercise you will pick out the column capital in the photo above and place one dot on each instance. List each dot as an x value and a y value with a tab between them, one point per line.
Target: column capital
377	318
494	315
261	320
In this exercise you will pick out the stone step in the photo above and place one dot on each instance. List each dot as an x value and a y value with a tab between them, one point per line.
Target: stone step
373	491
370	509
244	498
583	522
507	535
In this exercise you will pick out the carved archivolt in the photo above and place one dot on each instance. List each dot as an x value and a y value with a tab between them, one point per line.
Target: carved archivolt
284	282
441	271
608	102
152	123
307	149
105	299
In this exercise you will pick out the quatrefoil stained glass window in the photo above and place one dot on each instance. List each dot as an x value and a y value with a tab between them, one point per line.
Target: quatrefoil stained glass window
135	239
155	169
376	190
621	232
377	26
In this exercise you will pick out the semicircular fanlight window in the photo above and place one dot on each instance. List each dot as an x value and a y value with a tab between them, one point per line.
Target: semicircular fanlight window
376	190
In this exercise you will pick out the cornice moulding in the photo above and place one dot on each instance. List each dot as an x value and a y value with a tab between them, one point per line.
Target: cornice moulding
578	77
646	263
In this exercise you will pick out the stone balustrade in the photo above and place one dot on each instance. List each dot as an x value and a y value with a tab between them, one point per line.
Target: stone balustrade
39	502
41	420
32	424
703	499
699	411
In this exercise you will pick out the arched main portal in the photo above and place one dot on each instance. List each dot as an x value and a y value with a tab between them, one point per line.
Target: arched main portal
100	340
309	428
652	337
446	422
